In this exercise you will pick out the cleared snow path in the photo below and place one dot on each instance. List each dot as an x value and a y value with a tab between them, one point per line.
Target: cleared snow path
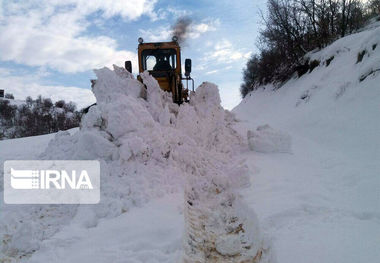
317	206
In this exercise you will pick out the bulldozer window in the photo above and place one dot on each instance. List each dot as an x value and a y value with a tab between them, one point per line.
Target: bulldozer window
159	59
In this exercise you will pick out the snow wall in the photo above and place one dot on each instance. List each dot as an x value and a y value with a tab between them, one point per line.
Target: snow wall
148	147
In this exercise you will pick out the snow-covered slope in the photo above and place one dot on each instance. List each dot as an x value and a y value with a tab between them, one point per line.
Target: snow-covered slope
331	104
321	202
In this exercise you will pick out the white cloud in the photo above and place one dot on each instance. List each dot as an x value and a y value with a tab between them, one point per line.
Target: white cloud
172	12
225	52
27	85
52	33
199	67
220	56
128	9
211	72
4	72
1	9
198	29
162	33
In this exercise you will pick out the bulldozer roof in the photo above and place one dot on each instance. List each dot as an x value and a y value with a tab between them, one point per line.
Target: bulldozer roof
154	45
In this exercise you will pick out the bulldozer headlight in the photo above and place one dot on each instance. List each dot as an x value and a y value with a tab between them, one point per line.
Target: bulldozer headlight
141	40
175	38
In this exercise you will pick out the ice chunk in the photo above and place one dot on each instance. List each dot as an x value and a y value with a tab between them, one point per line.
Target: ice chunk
267	140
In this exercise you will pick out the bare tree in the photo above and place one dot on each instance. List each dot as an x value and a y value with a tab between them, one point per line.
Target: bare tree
36	117
294	27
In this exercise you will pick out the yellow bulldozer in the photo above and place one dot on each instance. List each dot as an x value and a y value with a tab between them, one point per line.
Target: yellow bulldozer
163	61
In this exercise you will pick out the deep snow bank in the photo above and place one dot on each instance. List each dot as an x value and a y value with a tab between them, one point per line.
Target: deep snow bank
147	148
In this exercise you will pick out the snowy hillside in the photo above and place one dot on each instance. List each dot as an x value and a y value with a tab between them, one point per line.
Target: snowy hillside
321	203
304	157
332	105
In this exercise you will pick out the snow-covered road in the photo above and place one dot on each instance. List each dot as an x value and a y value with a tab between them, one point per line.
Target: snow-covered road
315	205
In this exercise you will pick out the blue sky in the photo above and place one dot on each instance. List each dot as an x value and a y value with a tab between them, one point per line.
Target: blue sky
51	47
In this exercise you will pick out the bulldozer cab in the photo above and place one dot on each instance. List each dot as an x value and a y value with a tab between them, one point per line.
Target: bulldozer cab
163	61
159	59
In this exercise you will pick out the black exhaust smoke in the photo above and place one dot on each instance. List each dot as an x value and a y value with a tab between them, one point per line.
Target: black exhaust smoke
181	28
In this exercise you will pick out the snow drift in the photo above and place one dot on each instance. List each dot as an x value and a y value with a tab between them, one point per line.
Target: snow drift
148	148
